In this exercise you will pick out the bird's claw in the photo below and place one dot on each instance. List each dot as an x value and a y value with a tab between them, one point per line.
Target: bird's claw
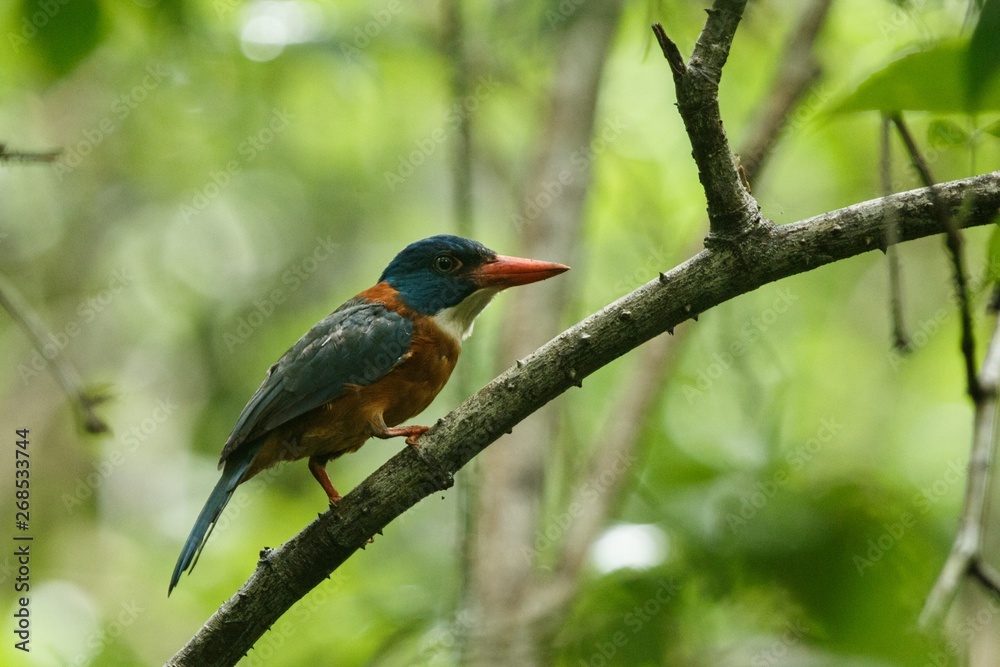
411	439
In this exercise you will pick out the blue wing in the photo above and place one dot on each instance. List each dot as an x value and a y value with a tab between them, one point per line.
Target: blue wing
354	345
357	344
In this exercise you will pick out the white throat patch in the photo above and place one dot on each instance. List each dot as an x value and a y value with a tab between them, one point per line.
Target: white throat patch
457	321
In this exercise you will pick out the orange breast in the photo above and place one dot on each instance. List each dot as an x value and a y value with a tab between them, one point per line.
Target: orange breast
345	423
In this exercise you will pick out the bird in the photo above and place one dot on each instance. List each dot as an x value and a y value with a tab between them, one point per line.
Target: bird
373	363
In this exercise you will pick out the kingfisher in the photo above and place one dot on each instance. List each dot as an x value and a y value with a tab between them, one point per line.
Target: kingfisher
370	365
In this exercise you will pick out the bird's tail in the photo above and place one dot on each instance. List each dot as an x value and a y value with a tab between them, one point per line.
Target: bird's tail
236	465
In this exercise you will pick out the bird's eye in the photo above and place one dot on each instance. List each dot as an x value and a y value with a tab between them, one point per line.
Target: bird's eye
446	264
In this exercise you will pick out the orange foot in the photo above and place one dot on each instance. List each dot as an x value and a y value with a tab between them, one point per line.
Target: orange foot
411	433
318	470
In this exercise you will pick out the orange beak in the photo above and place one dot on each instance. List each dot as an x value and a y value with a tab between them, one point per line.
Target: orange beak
504	272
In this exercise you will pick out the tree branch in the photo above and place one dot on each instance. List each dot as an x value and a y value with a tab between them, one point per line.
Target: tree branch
7	155
82	399
550	222
637	398
714	276
731	209
966	552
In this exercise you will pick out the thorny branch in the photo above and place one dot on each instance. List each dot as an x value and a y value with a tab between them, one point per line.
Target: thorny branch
285	575
618	440
724	270
732	211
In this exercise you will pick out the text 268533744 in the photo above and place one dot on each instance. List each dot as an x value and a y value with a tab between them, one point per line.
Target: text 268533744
22	541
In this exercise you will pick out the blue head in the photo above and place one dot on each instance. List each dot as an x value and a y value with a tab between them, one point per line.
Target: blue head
456	278
437	273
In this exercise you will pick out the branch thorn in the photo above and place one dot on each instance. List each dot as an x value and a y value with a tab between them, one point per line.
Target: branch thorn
670	51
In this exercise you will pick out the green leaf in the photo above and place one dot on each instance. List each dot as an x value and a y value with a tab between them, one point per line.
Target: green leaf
946	134
983	58
923	81
63	34
993	129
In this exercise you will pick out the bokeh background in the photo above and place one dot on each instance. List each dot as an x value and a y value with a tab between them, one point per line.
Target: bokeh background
232	171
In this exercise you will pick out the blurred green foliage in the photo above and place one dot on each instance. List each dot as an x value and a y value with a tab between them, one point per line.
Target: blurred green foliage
232	171
925	81
983	57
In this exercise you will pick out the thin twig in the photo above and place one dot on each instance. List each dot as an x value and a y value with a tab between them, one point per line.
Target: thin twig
900	337
82	400
988	577
966	552
953	240
732	210
28	156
